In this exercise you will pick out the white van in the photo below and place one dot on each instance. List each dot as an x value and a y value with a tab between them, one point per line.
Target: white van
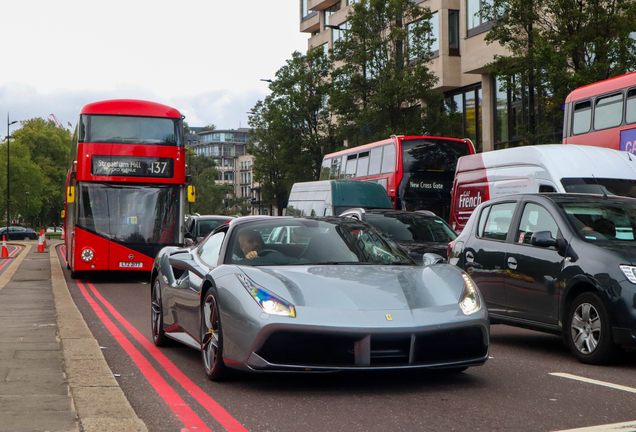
332	197
540	168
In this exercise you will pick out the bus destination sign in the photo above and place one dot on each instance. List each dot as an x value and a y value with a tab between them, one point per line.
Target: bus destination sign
132	166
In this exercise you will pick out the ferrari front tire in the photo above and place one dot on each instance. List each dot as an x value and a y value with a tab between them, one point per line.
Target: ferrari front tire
212	340
159	337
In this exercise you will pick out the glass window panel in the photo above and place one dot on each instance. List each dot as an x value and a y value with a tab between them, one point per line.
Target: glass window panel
351	168
472	13
582	118
363	166
471	116
534	219
388	160
434	32
630	109
453	29
498	222
608	112
375	161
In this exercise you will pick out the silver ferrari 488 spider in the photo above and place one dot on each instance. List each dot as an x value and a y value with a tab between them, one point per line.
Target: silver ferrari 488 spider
334	294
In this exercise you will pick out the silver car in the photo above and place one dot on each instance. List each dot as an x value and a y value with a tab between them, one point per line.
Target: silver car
341	297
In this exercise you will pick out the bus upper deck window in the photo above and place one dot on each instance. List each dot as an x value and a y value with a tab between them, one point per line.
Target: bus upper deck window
582	118
608	112
630	109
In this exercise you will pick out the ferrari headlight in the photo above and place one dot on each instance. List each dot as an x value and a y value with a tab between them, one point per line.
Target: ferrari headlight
470	301
629	272
87	255
271	303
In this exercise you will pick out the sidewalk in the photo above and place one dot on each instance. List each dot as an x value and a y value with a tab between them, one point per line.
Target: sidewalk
53	375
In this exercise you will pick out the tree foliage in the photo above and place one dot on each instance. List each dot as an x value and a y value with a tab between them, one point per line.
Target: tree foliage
381	83
40	158
292	128
555	46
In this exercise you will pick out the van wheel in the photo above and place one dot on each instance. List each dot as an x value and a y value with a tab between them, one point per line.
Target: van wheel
588	330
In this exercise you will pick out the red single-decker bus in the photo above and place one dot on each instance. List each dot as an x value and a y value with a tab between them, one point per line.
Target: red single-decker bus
416	171
125	187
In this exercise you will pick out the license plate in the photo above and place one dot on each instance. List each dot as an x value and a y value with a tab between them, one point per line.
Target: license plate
131	264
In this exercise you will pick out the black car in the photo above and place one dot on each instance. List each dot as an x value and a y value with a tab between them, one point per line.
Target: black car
559	263
197	227
18	233
419	233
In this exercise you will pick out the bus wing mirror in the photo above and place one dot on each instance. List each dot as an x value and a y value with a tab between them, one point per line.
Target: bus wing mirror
191	194
63	214
70	194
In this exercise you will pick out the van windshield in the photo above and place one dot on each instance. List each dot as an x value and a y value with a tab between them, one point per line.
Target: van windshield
601	186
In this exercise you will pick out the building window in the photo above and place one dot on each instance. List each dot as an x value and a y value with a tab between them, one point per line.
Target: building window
465	112
337	34
303	5
453	32
475	24
434	36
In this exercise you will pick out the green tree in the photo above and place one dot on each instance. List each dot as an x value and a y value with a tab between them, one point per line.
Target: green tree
292	128
210	198
49	148
555	47
381	83
26	176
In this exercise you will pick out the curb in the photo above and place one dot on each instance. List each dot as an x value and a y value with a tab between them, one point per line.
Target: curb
99	401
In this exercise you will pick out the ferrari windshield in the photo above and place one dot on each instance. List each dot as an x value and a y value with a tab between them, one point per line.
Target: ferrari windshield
309	242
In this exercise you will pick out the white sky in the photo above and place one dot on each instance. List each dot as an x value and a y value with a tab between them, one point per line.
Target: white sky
202	57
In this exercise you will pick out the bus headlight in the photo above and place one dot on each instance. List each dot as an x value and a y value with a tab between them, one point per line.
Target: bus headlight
88	255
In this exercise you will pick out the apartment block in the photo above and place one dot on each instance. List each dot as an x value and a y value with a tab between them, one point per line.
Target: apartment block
489	113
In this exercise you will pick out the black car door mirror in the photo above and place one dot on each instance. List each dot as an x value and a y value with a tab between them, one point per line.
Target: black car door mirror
543	239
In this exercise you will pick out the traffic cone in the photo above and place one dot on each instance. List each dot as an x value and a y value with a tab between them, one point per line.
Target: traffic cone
5	251
62	236
40	244
44	237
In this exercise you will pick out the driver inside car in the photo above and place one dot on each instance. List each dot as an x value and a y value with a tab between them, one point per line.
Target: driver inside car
251	243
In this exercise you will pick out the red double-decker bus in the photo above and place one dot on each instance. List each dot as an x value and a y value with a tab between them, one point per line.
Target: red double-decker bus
416	171
603	114
125	187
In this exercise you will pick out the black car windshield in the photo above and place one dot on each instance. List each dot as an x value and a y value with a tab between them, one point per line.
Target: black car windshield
326	241
614	221
205	227
412	228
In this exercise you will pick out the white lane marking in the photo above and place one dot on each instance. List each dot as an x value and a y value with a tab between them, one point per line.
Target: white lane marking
592	381
616	427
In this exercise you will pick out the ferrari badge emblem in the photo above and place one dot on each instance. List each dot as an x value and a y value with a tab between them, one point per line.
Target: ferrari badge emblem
388	317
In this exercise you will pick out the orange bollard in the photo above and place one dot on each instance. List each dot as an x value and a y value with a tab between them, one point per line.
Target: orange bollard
40	244
5	251
62	236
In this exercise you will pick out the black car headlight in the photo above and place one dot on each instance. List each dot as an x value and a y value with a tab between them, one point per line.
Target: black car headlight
470	301
270	303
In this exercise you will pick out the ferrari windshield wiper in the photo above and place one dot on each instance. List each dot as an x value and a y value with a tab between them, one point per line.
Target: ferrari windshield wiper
342	263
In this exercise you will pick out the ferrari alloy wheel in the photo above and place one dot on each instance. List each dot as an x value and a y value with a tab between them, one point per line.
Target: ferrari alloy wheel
589	330
212	340
158	336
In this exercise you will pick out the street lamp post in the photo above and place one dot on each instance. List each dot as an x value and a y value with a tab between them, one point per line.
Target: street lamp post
26	208
8	197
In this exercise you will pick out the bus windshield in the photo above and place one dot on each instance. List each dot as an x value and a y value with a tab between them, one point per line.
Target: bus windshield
131	215
429	169
129	130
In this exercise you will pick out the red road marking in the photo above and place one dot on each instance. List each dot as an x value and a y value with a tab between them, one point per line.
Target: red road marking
211	406
12	254
175	402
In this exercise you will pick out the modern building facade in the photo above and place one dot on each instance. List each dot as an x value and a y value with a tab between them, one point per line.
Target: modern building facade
227	149
489	113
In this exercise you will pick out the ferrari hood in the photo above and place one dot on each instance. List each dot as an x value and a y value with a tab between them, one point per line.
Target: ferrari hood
362	287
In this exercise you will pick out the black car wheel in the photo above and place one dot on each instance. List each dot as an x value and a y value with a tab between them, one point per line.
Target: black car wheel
589	332
158	336
212	340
